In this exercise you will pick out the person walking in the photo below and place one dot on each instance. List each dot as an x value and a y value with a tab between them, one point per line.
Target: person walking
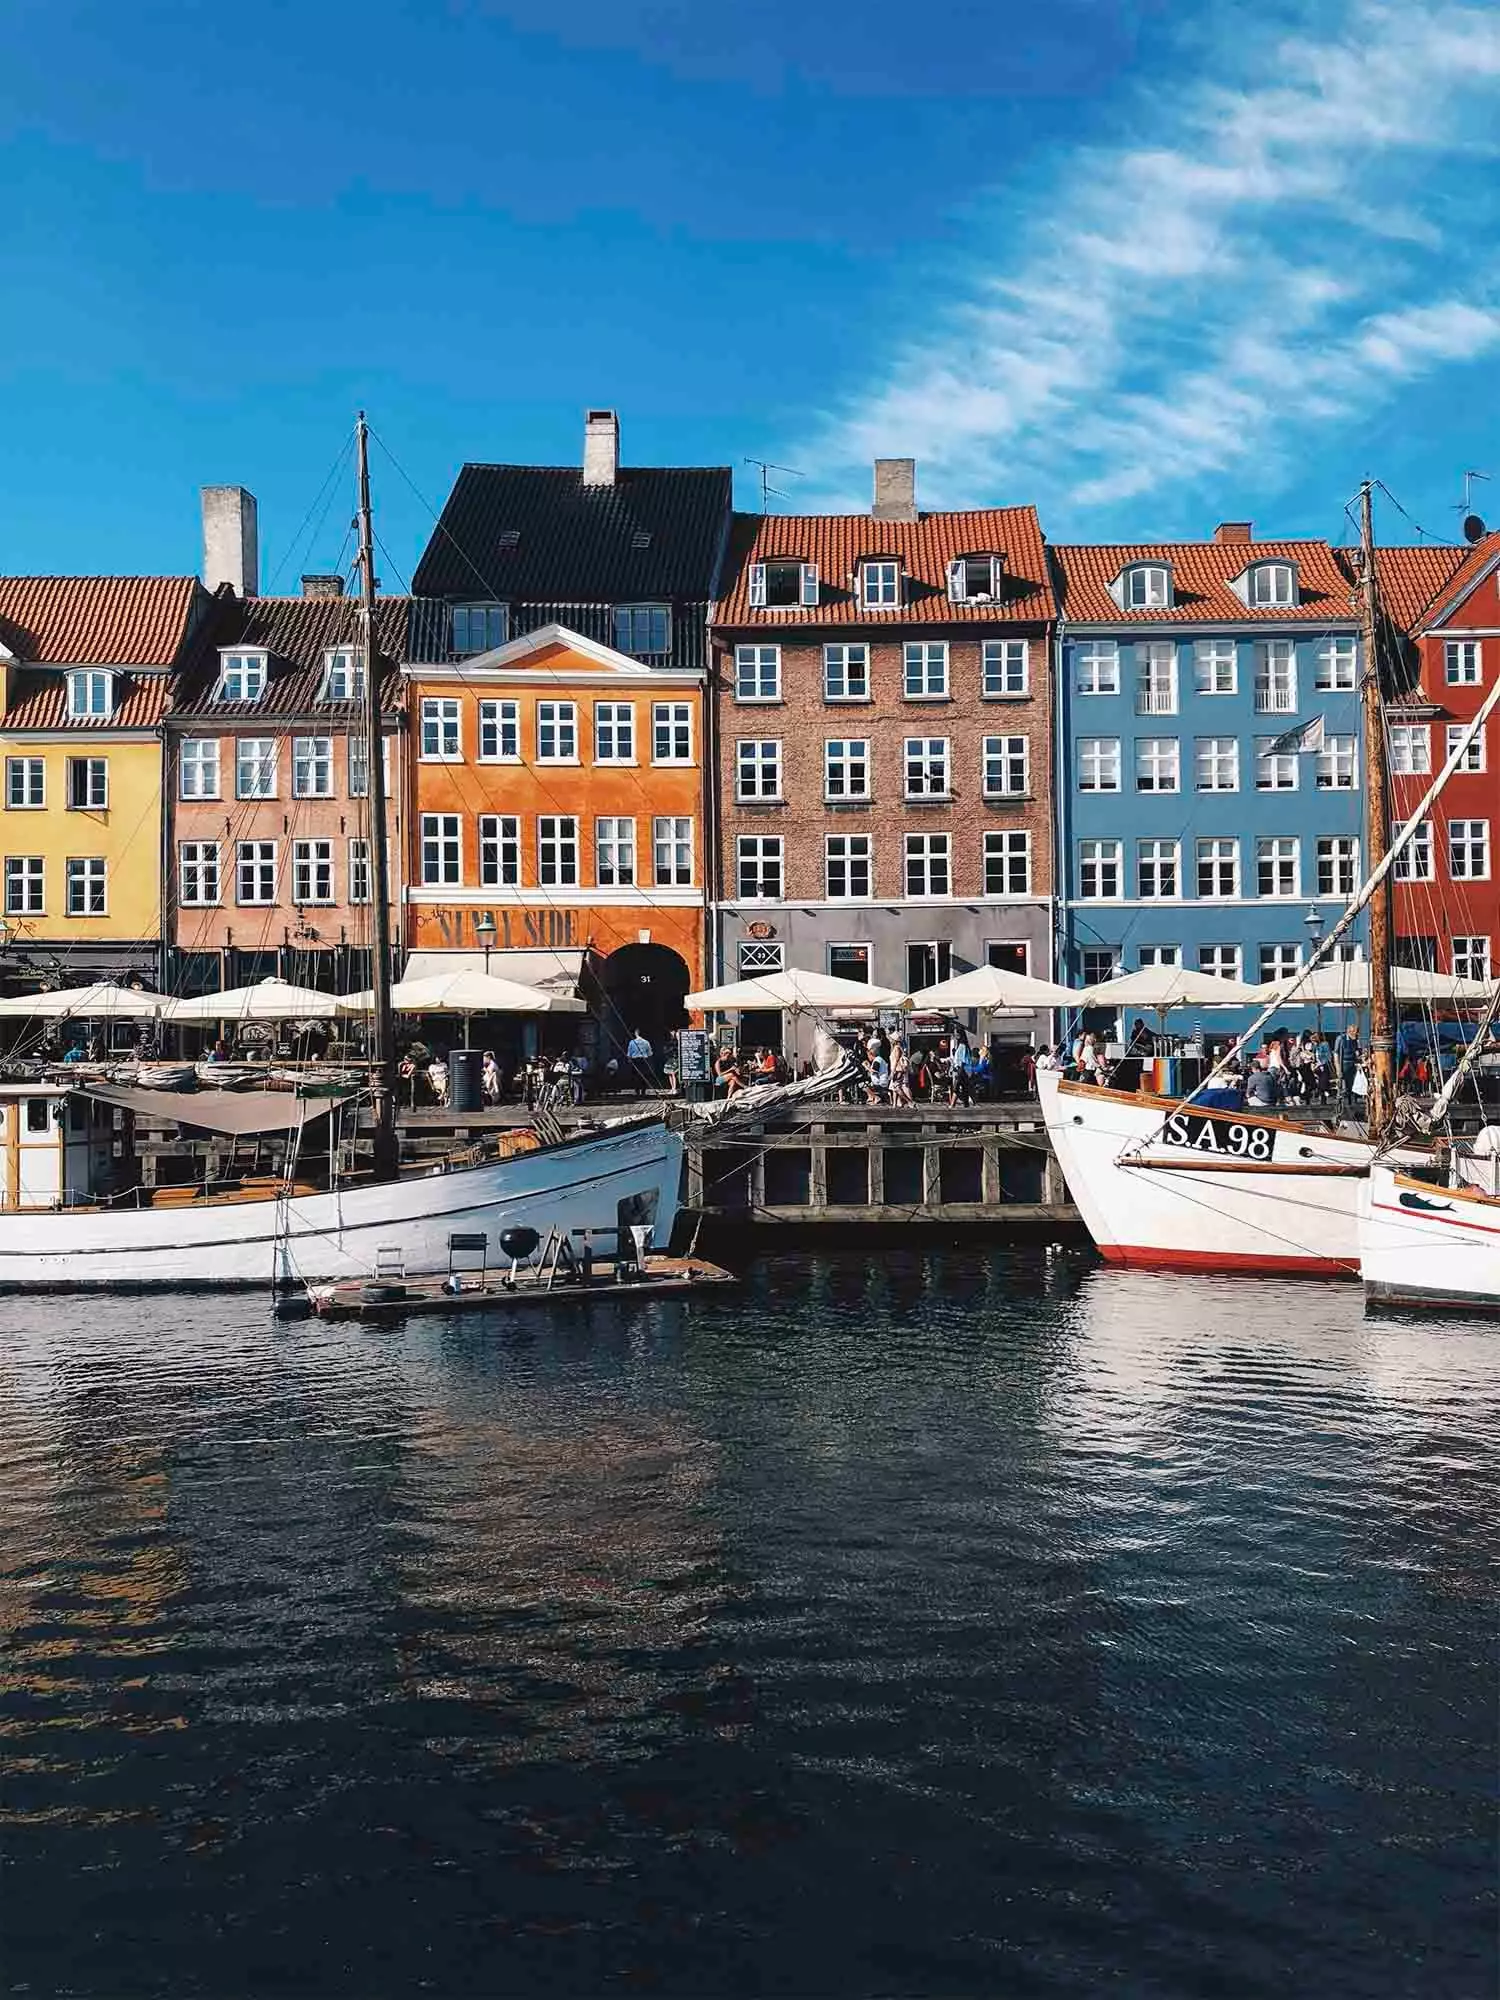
900	1072
491	1078
959	1090
642	1059
1348	1053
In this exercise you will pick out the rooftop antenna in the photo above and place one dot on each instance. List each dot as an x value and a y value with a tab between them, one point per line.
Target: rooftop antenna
1474	528
768	492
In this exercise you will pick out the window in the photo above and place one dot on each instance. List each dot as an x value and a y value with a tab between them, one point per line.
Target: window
312	767
1098	763
1007	863
24	880
1158	870
1336	664
641	629
198	768
1461	662
1279	961
255	767
926	964
614	853
614	732
1411	748
1278	866
499	732
25	783
1005	666
1272	583
1419	953
1219	961
928	872
1098	963
361	889
343	675
1275	770
1156	677
880	585
88	784
1215	670
759	871
1007	767
672	852
255	871
91	693
1218	868
1148	587
1158	954
846	768
478	627
1338	865
499	851
756	958
974	579
846	673
1008	955
1471	958
1414	862
1216	764
847	862
197	873
1099	871
925	669
557	852
442	850
1469	850
1473	757
672	732
850	961
757	673
312	871
1275	677
85	885
1099	667
242	676
557	732
757	768
1157	764
440	730
783	584
1336	767
926	759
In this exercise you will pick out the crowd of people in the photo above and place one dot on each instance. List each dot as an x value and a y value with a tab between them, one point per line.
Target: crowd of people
1310	1069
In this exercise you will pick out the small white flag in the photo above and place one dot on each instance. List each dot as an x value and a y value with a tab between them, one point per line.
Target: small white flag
1306	736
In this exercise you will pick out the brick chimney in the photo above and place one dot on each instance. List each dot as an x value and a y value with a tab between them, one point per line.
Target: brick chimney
1234	531
322	586
231	540
895	489
601	448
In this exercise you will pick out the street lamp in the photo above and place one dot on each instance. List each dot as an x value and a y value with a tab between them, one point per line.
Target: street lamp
1314	925
484	930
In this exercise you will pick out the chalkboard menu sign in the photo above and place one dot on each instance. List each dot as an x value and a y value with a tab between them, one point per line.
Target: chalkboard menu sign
692	1056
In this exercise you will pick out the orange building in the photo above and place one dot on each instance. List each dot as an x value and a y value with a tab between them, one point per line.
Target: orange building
558	805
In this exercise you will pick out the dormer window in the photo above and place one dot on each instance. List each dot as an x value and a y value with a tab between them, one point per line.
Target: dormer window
974	579
1148	587
478	627
91	694
242	677
880	585
643	629
1271	584
343	675
783	584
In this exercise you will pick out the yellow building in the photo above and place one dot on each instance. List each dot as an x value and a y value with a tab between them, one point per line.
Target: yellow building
86	676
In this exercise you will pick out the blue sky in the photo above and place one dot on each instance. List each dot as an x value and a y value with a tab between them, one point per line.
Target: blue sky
1147	265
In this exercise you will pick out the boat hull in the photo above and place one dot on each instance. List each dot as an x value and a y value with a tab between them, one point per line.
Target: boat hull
1211	1191
1429	1246
578	1185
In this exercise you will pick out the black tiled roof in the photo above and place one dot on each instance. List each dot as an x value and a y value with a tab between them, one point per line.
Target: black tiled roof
296	633
519	533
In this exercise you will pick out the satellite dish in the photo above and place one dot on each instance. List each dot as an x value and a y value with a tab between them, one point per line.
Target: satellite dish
1474	528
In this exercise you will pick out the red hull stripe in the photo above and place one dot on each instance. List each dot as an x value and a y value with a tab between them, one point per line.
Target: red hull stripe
1141	1257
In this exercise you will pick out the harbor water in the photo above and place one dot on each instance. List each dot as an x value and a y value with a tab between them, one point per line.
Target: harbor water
936	1622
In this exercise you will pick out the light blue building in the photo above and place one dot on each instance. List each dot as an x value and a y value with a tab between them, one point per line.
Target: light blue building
1209	790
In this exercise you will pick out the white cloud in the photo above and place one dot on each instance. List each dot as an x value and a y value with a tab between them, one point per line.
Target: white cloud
1300	235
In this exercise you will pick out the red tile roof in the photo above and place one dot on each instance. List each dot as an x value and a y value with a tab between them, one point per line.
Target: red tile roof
926	546
40	701
95	621
1465	567
1409	579
1201	576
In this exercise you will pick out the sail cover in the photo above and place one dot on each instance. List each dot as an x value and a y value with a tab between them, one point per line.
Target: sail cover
240	1112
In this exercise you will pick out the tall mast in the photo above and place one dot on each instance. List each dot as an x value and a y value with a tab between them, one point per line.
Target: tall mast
382	1032
1380	1103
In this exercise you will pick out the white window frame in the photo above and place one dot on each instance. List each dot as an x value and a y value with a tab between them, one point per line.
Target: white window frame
1280	856
1270	585
927	767
198	872
25	885
360	877
1411	749
32	775
91	694
557	732
880	583
557	855
260	764
845	855
441	734
1213	853
199	774
1216	667
1005	767
1474	758
499	851
757	770
801	595
614	852
261	859
846	769
846	671
1158	764
672	724
1275	677
242	676
1146	587
1463	662
1156	677
1098	763
1006	854
1220	961
614	732
343	675
672	836
928	858
924	670
1005	669
1212	757
1336	664
1149	955
759	858
312	870
441	850
83	873
96	798
1469	838
1336	765
988	574
499	727
312	767
757	673
1336	864
1277	962
1096	858
1275	770
1470	957
1096	667
1415	862
1157	856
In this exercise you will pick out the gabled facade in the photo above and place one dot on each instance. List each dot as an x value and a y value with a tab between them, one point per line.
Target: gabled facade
882	695
87	669
1194	827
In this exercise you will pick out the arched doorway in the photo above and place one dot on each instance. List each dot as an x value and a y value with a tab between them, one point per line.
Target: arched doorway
643	988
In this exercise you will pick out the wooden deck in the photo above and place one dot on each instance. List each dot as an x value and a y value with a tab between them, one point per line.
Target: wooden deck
393	1298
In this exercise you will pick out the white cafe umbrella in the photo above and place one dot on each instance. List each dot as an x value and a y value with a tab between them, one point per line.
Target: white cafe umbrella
465	991
1163	987
989	986
791	991
99	1002
1346	983
268	1000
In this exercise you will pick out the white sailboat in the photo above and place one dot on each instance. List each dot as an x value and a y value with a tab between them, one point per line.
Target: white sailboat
1427	1245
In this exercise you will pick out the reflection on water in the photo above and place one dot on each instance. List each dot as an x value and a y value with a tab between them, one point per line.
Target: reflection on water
949	1623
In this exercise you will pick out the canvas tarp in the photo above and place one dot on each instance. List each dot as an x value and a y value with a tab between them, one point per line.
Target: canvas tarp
239	1112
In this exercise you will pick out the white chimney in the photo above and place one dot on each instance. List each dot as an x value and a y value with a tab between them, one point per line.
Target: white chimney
895	489
231	540
601	448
